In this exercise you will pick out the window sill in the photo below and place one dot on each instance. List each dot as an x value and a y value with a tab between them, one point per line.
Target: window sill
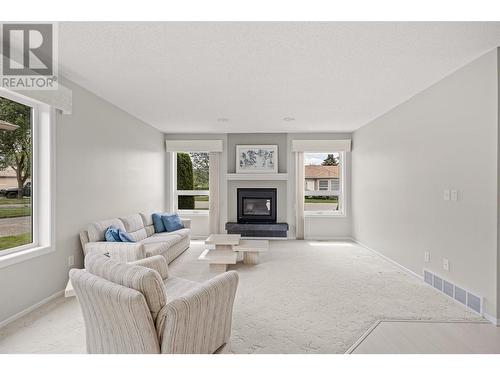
324	214
23	255
193	213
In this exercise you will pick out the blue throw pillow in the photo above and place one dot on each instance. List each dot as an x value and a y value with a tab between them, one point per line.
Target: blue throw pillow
172	222
124	236
158	223
112	235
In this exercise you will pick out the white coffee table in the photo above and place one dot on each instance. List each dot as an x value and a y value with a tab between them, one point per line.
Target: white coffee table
222	254
251	250
226	250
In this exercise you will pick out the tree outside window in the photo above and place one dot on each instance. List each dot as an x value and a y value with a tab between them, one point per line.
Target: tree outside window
15	174
192	180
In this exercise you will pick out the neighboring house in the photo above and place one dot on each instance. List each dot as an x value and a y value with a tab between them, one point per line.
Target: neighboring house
8	178
321	177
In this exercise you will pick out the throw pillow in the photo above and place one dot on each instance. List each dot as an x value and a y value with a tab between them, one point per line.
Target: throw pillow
172	222
124	236
158	223
112	235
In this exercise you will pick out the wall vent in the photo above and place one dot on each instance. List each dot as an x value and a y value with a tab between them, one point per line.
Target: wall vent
448	289
428	277
463	296
437	282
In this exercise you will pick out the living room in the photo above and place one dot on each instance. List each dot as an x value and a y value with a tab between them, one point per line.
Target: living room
250	188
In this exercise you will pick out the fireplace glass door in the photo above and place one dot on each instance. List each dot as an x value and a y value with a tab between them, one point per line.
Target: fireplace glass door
256	207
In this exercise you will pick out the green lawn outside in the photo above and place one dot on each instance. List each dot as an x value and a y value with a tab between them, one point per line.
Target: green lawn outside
201	198
8	242
6	212
319	200
5	201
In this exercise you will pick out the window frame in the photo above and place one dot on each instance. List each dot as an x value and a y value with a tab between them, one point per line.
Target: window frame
341	212
42	182
177	193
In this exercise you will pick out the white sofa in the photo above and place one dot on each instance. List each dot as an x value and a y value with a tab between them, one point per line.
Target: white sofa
147	243
138	307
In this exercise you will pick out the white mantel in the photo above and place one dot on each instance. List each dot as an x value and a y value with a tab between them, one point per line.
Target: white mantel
257	176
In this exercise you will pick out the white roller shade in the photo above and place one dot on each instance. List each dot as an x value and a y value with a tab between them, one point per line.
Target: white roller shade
203	145
321	145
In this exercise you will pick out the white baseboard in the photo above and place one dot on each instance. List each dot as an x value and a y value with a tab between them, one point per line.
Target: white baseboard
408	271
491	319
30	309
328	238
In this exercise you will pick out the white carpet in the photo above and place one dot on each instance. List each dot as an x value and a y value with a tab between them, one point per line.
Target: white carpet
304	297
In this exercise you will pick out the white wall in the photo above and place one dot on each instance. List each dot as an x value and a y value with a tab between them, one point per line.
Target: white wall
446	137
108	164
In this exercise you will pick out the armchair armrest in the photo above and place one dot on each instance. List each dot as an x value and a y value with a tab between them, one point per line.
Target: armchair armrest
186	222
157	263
200	320
120	251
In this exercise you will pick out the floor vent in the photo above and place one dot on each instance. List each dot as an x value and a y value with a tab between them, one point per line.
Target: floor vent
453	291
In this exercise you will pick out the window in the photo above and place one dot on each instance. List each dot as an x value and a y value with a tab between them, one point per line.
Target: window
192	190
16	176
323	183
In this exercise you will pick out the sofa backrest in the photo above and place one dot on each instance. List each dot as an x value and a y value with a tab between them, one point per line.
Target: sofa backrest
134	225
145	280
139	226
147	218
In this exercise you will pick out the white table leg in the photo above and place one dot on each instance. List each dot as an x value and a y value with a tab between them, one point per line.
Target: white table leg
218	268
251	257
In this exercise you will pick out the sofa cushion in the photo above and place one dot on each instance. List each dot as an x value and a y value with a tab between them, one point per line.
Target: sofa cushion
147	218
138	235
167	238
142	279
150	230
176	287
157	248
132	223
96	230
185	232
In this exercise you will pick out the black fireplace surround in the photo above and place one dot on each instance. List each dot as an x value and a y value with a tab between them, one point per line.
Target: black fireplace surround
256	205
257	214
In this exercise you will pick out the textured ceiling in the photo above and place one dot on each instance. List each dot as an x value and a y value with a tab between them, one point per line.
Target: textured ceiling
335	76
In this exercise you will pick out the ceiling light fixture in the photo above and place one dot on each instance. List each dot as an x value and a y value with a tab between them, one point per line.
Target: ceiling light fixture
288	118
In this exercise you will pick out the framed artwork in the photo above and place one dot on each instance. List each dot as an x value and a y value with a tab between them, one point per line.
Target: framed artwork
257	159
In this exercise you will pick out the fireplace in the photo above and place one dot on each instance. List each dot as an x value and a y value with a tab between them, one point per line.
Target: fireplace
256	205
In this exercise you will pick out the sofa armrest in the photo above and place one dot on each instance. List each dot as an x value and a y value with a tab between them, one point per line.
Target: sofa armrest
200	320
120	251
186	222
157	263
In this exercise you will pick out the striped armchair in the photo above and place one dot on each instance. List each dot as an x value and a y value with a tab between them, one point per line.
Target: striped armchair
139	308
